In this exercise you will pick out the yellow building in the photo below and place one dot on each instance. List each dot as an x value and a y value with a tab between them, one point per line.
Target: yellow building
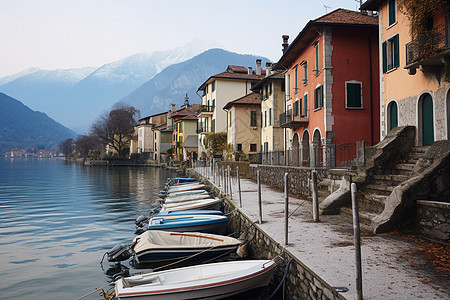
414	68
243	127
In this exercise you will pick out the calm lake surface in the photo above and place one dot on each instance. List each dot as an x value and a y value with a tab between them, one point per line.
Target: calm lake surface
57	219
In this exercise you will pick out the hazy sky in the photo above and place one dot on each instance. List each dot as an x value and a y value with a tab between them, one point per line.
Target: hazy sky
61	34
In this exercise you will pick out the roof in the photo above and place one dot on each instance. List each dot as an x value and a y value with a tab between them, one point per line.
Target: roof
338	17
278	75
148	117
191	141
186	110
189	117
234	72
371	4
249	99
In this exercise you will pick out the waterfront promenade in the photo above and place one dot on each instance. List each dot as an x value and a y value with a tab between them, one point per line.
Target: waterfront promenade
391	264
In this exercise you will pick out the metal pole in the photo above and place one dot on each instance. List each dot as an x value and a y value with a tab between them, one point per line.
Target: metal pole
286	208
239	186
315	197
229	182
357	242
259	195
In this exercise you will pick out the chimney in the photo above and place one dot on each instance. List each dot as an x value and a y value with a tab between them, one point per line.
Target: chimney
268	68
258	66
285	44
173	108
186	100
250	71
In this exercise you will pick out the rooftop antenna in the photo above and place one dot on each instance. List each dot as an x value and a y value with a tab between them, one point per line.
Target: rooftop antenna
326	8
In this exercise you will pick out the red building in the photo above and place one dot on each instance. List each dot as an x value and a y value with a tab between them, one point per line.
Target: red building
332	88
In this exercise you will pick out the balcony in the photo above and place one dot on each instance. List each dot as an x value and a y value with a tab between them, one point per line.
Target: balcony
288	120
429	49
202	129
205	110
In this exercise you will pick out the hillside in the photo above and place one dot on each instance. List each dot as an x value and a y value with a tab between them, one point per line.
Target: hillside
21	127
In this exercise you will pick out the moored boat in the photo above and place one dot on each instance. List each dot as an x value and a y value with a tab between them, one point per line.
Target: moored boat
211	203
155	246
206	223
206	281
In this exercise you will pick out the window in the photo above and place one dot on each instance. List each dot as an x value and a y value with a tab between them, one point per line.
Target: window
265	118
213	86
213	125
390	54
252	147
318	97
305	68
295	108
270	116
239	147
353	95
295	78
253	118
392	15
316	50
305	106
266	147
214	103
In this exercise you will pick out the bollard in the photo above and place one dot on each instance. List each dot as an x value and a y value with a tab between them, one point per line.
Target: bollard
315	197
239	186
229	182
357	242
259	196
286	209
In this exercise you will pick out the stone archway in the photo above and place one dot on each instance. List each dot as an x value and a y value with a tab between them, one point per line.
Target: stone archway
392	115
317	148
305	149
295	154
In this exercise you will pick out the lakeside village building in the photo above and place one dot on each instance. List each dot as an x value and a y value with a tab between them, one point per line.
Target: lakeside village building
330	94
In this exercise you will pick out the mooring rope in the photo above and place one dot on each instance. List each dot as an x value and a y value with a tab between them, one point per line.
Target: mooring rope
96	290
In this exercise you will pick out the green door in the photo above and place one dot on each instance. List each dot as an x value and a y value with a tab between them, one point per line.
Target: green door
393	115
427	120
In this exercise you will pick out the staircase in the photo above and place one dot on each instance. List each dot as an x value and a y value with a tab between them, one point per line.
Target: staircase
372	195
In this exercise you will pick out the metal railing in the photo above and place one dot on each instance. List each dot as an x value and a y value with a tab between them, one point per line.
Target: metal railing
429	44
205	108
288	119
318	156
201	129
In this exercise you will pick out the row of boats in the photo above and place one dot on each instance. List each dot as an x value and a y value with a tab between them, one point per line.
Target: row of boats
188	226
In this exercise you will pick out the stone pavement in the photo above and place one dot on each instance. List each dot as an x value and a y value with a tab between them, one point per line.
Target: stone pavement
391	267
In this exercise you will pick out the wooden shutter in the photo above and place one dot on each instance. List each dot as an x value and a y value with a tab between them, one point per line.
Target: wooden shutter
396	52
384	57
354	95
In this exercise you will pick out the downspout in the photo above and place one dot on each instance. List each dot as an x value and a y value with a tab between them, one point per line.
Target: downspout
371	89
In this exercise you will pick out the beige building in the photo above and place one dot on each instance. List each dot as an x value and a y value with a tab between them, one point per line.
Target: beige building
217	91
243	127
272	93
414	70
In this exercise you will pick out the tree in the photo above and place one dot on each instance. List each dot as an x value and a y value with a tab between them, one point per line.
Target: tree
86	145
66	147
116	128
216	143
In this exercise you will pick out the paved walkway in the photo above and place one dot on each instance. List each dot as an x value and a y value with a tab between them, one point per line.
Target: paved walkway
391	267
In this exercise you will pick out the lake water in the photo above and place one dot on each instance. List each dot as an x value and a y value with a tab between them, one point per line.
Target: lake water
57	219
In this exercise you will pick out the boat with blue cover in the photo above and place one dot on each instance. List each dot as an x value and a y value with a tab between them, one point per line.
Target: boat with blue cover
206	223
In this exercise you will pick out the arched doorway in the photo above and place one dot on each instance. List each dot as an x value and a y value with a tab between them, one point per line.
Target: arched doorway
295	155
305	149
317	148
392	115
426	122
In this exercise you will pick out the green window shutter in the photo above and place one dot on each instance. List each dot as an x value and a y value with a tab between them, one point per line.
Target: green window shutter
384	57
213	125
321	96
396	52
306	105
295	78
391	12
300	108
354	95
317	57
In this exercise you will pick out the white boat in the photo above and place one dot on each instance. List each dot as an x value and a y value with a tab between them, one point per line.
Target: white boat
185	187
207	281
160	246
184	198
208	223
181	193
211	203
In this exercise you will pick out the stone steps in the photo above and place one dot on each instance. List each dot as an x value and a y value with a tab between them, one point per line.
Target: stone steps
372	203
377	189
365	218
389	179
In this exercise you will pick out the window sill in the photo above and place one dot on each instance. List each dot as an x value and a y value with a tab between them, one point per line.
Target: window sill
391	70
390	26
316	109
355	108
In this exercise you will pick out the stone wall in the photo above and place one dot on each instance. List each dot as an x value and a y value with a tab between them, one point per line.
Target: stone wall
434	219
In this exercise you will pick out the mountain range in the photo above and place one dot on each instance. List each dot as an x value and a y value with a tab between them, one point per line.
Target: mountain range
21	127
151	82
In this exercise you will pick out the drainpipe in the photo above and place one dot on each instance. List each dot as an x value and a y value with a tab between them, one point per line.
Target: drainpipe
371	89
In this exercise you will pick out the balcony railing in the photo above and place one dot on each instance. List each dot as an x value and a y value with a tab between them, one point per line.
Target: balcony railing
205	109
287	119
201	129
429	44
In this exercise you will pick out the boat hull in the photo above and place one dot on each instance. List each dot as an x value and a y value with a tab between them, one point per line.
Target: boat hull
202	223
217	288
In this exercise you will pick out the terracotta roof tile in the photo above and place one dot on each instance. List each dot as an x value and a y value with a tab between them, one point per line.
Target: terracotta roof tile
347	17
185	111
249	99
